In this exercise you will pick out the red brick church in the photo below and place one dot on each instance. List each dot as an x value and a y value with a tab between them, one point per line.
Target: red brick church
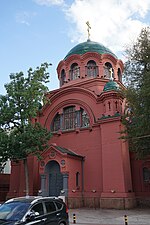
86	161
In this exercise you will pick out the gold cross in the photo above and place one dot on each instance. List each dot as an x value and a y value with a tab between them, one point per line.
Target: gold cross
88	29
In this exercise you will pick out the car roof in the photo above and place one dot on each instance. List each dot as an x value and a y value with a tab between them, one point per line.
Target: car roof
31	199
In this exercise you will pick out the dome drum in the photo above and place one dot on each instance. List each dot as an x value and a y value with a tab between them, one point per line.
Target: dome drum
89	60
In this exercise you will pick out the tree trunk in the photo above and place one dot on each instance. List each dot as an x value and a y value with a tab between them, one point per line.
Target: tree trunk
26	177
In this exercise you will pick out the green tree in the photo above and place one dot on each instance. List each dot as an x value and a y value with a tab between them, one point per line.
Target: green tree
137	79
19	136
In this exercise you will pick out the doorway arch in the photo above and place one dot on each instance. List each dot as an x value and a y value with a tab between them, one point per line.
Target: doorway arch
54	178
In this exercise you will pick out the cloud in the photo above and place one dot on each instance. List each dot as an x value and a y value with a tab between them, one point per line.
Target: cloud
49	2
114	23
24	17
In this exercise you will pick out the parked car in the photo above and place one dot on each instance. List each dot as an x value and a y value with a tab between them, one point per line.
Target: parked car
34	210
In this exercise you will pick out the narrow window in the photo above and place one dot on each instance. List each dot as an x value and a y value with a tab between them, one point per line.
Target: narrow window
121	106
91	69
77	179
62	77
74	72
104	108
119	75
109	106
116	104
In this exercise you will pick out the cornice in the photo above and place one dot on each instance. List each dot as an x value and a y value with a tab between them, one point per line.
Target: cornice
110	94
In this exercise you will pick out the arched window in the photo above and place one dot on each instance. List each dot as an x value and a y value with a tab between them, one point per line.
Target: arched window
108	70
74	72
119	75
91	69
62	77
56	123
70	119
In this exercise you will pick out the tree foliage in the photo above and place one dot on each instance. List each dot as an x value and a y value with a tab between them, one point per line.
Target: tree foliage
19	136
137	77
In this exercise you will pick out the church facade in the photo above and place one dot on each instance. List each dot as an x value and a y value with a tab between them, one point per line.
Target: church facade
86	161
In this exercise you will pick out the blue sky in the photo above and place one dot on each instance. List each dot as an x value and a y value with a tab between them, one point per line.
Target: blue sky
37	31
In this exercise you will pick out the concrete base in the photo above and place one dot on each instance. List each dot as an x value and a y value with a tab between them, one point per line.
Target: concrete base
87	202
92	202
104	203
74	203
143	202
117	203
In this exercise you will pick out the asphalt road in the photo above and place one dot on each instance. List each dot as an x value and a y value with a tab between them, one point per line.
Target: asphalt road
110	217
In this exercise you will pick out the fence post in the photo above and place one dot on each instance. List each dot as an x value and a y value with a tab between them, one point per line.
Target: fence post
74	218
125	220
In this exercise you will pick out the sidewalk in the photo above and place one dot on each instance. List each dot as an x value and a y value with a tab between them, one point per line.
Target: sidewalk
110	217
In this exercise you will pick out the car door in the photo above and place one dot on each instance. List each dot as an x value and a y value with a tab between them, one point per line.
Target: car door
51	213
39	217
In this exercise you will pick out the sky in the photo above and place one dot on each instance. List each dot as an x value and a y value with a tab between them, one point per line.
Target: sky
37	31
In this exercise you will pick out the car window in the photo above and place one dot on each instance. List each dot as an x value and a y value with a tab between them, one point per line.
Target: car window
50	207
59	205
38	208
13	210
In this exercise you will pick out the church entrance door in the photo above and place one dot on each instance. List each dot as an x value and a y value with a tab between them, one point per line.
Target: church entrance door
55	184
55	178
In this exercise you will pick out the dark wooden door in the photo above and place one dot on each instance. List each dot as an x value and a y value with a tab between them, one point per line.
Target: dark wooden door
55	184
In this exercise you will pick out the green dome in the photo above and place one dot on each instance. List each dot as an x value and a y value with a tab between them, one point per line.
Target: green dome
111	86
89	46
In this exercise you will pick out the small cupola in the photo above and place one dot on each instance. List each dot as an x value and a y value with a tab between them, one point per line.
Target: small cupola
111	86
